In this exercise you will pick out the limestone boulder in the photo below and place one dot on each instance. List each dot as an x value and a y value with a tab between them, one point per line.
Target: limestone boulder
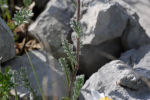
7	47
142	8
118	81
102	22
53	24
139	60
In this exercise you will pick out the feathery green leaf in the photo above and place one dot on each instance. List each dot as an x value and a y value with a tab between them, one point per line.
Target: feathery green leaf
76	26
68	49
77	86
22	16
66	69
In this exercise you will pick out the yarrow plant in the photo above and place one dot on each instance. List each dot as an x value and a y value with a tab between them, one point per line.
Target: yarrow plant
22	16
74	82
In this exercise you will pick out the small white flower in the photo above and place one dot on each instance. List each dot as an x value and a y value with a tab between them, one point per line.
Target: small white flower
98	96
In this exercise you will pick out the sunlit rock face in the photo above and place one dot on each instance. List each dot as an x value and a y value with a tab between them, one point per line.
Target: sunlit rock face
109	27
118	81
142	7
52	24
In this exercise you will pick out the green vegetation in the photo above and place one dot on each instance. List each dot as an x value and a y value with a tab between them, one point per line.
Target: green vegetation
22	16
7	82
74	82
5	10
8	78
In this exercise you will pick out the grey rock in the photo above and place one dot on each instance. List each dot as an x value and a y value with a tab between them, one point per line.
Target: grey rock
134	35
103	22
98	23
139	60
48	71
7	50
110	79
142	8
52	24
97	39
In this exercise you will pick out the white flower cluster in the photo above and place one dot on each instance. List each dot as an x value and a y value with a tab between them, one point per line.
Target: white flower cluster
95	95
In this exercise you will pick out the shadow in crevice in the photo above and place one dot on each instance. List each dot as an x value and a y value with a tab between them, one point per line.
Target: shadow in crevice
93	57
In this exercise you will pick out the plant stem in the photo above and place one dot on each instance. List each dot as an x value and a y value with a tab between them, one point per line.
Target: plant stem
78	13
77	53
78	42
78	39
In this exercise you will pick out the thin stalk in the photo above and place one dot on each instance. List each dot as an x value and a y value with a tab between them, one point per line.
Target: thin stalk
78	39
36	77
78	13
77	53
71	86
